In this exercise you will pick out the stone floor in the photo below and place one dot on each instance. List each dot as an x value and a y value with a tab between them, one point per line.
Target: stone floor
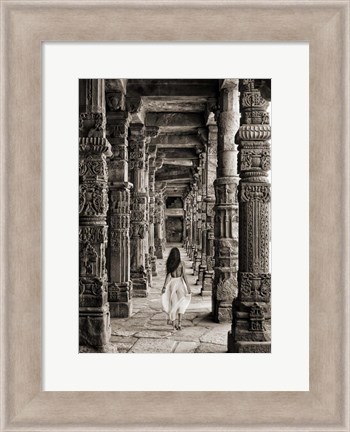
147	331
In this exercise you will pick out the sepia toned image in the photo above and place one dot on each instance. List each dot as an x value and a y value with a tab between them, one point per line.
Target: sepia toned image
174	215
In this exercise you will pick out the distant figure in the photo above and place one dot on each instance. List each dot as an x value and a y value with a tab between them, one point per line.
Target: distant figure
176	293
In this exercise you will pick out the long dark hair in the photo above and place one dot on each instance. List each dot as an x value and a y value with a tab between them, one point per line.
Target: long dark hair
173	260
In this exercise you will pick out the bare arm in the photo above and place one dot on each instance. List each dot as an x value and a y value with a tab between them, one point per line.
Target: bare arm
168	276
185	278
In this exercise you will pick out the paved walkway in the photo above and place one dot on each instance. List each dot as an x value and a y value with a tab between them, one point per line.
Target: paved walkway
147	331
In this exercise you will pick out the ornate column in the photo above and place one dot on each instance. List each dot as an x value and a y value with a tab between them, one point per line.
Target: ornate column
152	201
94	317
146	242
251	327
198	245
203	227
120	287
189	220
139	202
194	224
159	221
211	165
150	132
226	207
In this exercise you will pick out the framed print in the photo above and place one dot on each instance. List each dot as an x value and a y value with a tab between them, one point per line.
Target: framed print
144	329
29	30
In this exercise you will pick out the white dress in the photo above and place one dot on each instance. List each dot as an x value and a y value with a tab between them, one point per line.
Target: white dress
175	299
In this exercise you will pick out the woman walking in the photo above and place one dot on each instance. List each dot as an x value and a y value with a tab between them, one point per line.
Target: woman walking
176	293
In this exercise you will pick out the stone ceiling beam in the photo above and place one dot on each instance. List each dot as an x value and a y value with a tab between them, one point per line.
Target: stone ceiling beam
178	153
175	103
172	87
173	140
173	176
177	162
182	179
175	120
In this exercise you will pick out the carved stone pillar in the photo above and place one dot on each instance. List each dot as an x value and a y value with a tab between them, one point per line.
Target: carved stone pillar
120	287
189	221
159	221
186	231
94	317
194	225
226	207
198	246
211	165
139	202
146	242
251	327
203	227
150	132
152	201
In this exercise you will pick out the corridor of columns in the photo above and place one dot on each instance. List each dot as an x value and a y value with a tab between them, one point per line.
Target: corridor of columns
164	162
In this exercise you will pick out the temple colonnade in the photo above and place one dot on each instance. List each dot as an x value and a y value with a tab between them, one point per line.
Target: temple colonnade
130	205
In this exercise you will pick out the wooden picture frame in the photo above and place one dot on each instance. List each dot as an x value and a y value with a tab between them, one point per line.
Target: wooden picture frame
24	25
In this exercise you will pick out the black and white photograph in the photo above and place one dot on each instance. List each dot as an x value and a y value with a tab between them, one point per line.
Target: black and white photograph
174	215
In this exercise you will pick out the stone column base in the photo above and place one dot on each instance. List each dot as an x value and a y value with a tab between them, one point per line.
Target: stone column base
140	287
149	276
197	264
120	309
154	266
192	253
222	311
94	326
247	347
119	295
201	271
159	253
207	287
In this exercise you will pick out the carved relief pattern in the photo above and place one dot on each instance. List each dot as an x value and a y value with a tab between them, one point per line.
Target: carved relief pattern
264	237
93	234
119	220
92	260
256	318
254	287
92	123
93	199
226	192
254	159
89	146
94	287
93	166
254	192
